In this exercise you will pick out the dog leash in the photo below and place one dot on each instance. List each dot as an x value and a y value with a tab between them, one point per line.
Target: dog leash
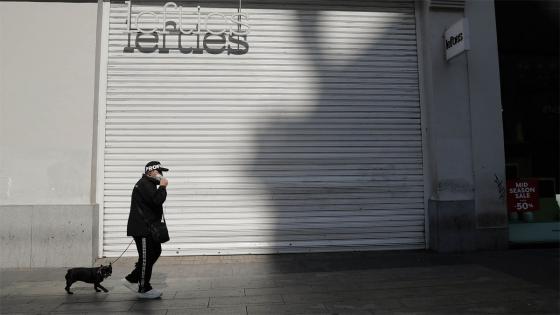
114	261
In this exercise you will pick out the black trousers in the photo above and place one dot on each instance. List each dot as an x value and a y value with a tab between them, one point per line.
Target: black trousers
149	251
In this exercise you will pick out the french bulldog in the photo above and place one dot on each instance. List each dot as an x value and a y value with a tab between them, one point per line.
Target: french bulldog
88	275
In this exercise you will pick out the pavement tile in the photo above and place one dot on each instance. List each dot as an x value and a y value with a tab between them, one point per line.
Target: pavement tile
445	291
390	274
244	269
413	283
357	298
198	270
245	300
387	275
362	302
292	309
210	293
7	300
508	297
483	289
29	308
433	301
300	289
129	296
93	312
42	288
228	310
349	309
299	280
81	298
118	306
311	297
164	303
518	307
440	311
83	294
481	308
382	293
350	305
537	305
8	275
244	282
191	284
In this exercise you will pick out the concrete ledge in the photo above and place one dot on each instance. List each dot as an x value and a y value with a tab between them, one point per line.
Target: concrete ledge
453	228
452	225
34	236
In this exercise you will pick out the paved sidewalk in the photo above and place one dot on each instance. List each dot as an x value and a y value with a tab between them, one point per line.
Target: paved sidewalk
413	282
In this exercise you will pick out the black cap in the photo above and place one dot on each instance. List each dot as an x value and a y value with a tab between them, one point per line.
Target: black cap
155	165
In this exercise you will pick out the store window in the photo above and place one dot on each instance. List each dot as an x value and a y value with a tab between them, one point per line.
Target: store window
528	41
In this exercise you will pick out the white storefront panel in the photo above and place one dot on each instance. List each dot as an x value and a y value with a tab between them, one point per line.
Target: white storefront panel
303	136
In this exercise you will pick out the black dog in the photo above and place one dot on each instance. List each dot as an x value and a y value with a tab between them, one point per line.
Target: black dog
88	275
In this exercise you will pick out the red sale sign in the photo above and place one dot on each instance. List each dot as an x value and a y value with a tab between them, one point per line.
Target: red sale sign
522	195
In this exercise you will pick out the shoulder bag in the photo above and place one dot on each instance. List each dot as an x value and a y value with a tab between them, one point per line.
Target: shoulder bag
158	230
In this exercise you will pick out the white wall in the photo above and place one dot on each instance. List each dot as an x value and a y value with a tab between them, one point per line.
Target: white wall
465	137
486	115
47	64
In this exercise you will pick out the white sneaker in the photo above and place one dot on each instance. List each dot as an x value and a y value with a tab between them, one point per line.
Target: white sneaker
129	285
152	294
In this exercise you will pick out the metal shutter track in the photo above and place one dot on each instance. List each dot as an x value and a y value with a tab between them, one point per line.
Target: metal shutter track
309	142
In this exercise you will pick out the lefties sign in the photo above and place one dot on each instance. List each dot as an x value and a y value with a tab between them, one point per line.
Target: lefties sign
173	19
457	39
190	30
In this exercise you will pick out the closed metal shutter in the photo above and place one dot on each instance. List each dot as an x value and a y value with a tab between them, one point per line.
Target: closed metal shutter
306	136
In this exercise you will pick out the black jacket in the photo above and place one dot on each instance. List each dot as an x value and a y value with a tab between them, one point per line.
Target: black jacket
148	197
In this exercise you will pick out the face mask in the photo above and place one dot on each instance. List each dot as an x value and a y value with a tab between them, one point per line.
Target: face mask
158	177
